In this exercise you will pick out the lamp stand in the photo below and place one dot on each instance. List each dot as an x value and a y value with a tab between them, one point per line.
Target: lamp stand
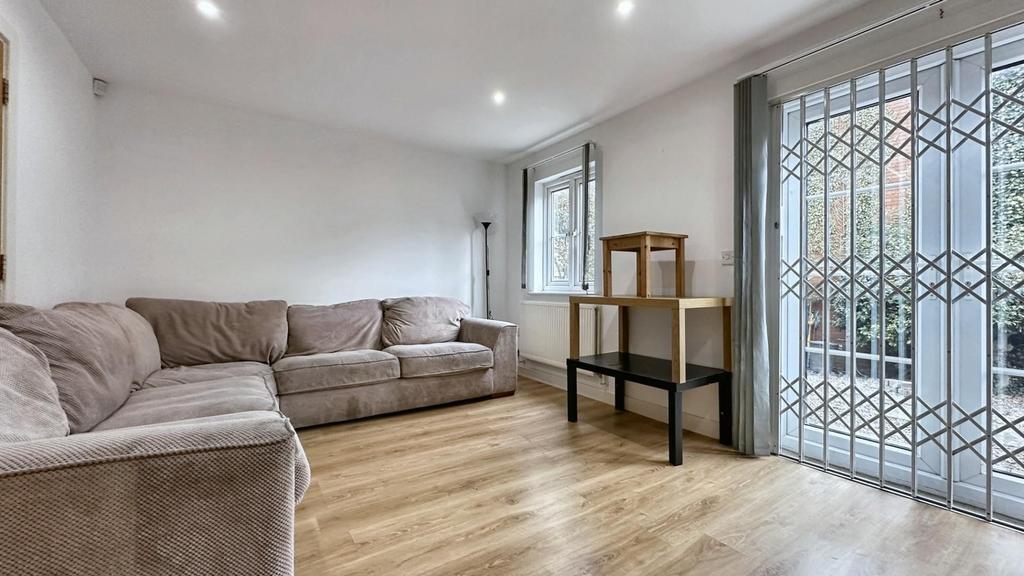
487	272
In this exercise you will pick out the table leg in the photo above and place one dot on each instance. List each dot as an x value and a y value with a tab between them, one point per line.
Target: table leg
623	329
574	330
570	389
643	272
678	350
620	394
680	268
607	269
727	338
675	427
725	410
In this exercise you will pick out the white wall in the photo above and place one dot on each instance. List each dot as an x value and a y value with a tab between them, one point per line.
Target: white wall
199	200
50	162
157	195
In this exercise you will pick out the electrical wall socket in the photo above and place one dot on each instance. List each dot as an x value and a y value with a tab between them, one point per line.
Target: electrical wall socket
727	259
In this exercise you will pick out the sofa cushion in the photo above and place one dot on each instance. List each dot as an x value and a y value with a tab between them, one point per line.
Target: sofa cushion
325	406
207	372
9	310
145	350
441	358
335	370
90	359
187	401
193	333
422	320
321	329
29	404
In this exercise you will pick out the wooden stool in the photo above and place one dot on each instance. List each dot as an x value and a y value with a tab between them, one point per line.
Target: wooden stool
643	243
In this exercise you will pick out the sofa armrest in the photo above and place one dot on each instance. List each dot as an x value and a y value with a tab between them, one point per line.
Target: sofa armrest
503	340
205	496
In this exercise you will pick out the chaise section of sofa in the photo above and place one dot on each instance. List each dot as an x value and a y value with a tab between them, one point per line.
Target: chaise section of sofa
101	473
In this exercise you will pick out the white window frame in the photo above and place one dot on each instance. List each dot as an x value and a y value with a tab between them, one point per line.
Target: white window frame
543	282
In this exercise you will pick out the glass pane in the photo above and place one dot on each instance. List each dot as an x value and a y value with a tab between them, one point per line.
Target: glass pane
1008	269
968	286
814	312
867	237
897	293
591	231
932	283
559	258
839	188
560	225
790	328
561	216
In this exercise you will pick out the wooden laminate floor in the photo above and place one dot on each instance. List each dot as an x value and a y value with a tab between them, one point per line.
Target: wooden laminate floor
507	486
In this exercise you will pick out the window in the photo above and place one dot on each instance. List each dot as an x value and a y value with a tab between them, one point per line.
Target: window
901	312
558	203
563	254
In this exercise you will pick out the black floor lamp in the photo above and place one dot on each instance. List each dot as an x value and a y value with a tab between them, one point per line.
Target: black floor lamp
486	220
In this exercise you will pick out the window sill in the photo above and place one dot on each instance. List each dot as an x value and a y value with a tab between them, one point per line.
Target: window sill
560	293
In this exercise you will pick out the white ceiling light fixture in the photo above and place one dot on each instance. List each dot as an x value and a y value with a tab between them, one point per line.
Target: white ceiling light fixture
498	97
625	8
208	9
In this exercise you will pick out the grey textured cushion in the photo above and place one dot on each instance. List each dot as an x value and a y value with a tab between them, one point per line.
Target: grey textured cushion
145	350
90	358
29	405
208	372
192	332
335	370
187	401
422	320
9	310
441	358
322	329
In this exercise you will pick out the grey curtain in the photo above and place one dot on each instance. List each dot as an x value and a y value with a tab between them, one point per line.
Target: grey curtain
751	394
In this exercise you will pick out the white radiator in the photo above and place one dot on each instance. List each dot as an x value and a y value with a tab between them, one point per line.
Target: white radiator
544	331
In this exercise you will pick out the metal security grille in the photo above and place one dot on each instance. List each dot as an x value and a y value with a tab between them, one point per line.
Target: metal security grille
901	268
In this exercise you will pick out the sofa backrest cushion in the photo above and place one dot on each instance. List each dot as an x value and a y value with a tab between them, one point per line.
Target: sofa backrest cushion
422	320
29	404
338	328
145	349
90	359
10	310
191	332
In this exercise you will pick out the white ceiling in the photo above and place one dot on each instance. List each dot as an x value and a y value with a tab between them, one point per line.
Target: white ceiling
424	70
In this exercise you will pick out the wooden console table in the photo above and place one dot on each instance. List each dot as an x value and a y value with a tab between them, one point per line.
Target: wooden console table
674	376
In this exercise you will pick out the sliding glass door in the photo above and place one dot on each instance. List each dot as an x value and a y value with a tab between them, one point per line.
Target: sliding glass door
901	248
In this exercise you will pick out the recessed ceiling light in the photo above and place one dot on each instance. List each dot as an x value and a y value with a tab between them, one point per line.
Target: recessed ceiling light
625	8
498	97
208	9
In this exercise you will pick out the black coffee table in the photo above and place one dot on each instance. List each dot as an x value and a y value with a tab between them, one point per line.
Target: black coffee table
657	373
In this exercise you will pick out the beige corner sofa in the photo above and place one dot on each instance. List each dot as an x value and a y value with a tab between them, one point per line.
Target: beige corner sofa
157	437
